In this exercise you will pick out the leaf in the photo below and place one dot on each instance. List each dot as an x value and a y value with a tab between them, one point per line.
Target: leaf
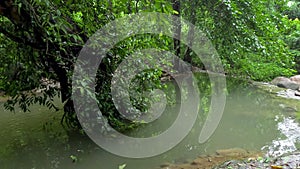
19	7
175	12
122	166
73	158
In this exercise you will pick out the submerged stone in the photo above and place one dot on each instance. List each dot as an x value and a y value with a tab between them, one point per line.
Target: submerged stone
231	152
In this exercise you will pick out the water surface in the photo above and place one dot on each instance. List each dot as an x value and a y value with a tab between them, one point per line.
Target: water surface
253	119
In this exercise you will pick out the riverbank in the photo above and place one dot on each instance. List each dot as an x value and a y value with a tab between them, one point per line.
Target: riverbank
288	161
240	161
211	161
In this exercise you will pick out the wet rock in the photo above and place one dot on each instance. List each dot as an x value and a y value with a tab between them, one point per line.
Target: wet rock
231	152
285	83
288	161
211	161
290	85
291	161
195	163
165	165
287	108
291	94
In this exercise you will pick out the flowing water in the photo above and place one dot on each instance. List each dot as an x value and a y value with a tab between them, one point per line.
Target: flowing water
253	120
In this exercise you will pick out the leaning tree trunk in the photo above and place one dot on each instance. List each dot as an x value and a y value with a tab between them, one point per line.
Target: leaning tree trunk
69	116
69	112
30	32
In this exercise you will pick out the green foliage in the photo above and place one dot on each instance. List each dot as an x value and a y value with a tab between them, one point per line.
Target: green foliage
21	74
293	33
293	11
292	38
252	38
143	84
248	36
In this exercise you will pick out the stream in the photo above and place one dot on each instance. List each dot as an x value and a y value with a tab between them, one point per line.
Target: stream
253	120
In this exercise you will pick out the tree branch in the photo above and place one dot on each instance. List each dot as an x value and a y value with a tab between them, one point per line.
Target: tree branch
22	40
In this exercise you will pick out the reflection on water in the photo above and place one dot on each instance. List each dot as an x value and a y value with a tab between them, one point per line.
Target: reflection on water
290	132
36	139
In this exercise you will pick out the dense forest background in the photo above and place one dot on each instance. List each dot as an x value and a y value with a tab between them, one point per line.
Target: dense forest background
41	39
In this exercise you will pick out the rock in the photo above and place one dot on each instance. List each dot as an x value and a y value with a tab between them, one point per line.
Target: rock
295	79
292	160
232	152
286	108
289	161
165	165
279	80
195	163
285	83
289	85
288	93
297	93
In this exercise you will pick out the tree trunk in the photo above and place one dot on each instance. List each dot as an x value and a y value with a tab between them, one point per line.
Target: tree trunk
69	116
177	32
62	64
187	54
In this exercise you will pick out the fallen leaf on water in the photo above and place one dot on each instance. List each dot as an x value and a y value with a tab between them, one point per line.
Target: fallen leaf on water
276	167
